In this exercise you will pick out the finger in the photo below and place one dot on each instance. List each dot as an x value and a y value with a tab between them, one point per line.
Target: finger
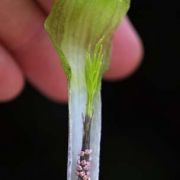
32	47
42	67
11	78
127	52
45	4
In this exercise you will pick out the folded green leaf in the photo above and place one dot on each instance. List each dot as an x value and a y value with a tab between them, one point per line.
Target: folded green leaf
75	24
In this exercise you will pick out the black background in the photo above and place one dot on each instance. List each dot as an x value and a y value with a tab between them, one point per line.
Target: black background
141	115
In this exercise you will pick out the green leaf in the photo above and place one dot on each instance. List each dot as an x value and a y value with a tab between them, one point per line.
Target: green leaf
93	75
75	24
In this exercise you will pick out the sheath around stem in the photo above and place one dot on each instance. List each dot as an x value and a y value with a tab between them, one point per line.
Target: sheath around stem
77	105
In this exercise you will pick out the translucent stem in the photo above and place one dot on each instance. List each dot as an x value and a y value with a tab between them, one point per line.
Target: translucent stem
77	109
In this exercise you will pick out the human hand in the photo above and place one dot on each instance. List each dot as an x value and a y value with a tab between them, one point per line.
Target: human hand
27	53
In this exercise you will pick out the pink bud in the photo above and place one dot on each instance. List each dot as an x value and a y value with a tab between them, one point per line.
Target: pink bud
88	163
83	162
86	168
79	168
82	153
85	177
88	151
82	173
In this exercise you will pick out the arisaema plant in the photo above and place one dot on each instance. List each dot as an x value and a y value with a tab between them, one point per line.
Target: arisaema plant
81	31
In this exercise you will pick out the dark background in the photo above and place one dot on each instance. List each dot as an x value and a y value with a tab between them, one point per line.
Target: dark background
141	115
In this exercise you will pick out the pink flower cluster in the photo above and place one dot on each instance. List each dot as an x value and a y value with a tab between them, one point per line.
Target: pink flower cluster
83	165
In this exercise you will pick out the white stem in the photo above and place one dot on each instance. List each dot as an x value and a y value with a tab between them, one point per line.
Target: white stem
77	107
77	104
95	137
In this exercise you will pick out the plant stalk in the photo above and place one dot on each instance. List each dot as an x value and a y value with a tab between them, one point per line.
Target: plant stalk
84	131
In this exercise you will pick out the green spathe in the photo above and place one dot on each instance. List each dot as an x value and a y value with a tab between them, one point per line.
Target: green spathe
83	22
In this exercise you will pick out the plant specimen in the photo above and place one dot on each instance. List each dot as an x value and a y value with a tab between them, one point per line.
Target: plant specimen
81	32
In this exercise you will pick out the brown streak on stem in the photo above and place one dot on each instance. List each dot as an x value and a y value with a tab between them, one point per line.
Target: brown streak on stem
86	133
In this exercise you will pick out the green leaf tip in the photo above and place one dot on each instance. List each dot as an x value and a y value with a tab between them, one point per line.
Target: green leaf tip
74	24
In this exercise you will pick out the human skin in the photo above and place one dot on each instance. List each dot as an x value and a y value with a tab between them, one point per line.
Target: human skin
27	53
